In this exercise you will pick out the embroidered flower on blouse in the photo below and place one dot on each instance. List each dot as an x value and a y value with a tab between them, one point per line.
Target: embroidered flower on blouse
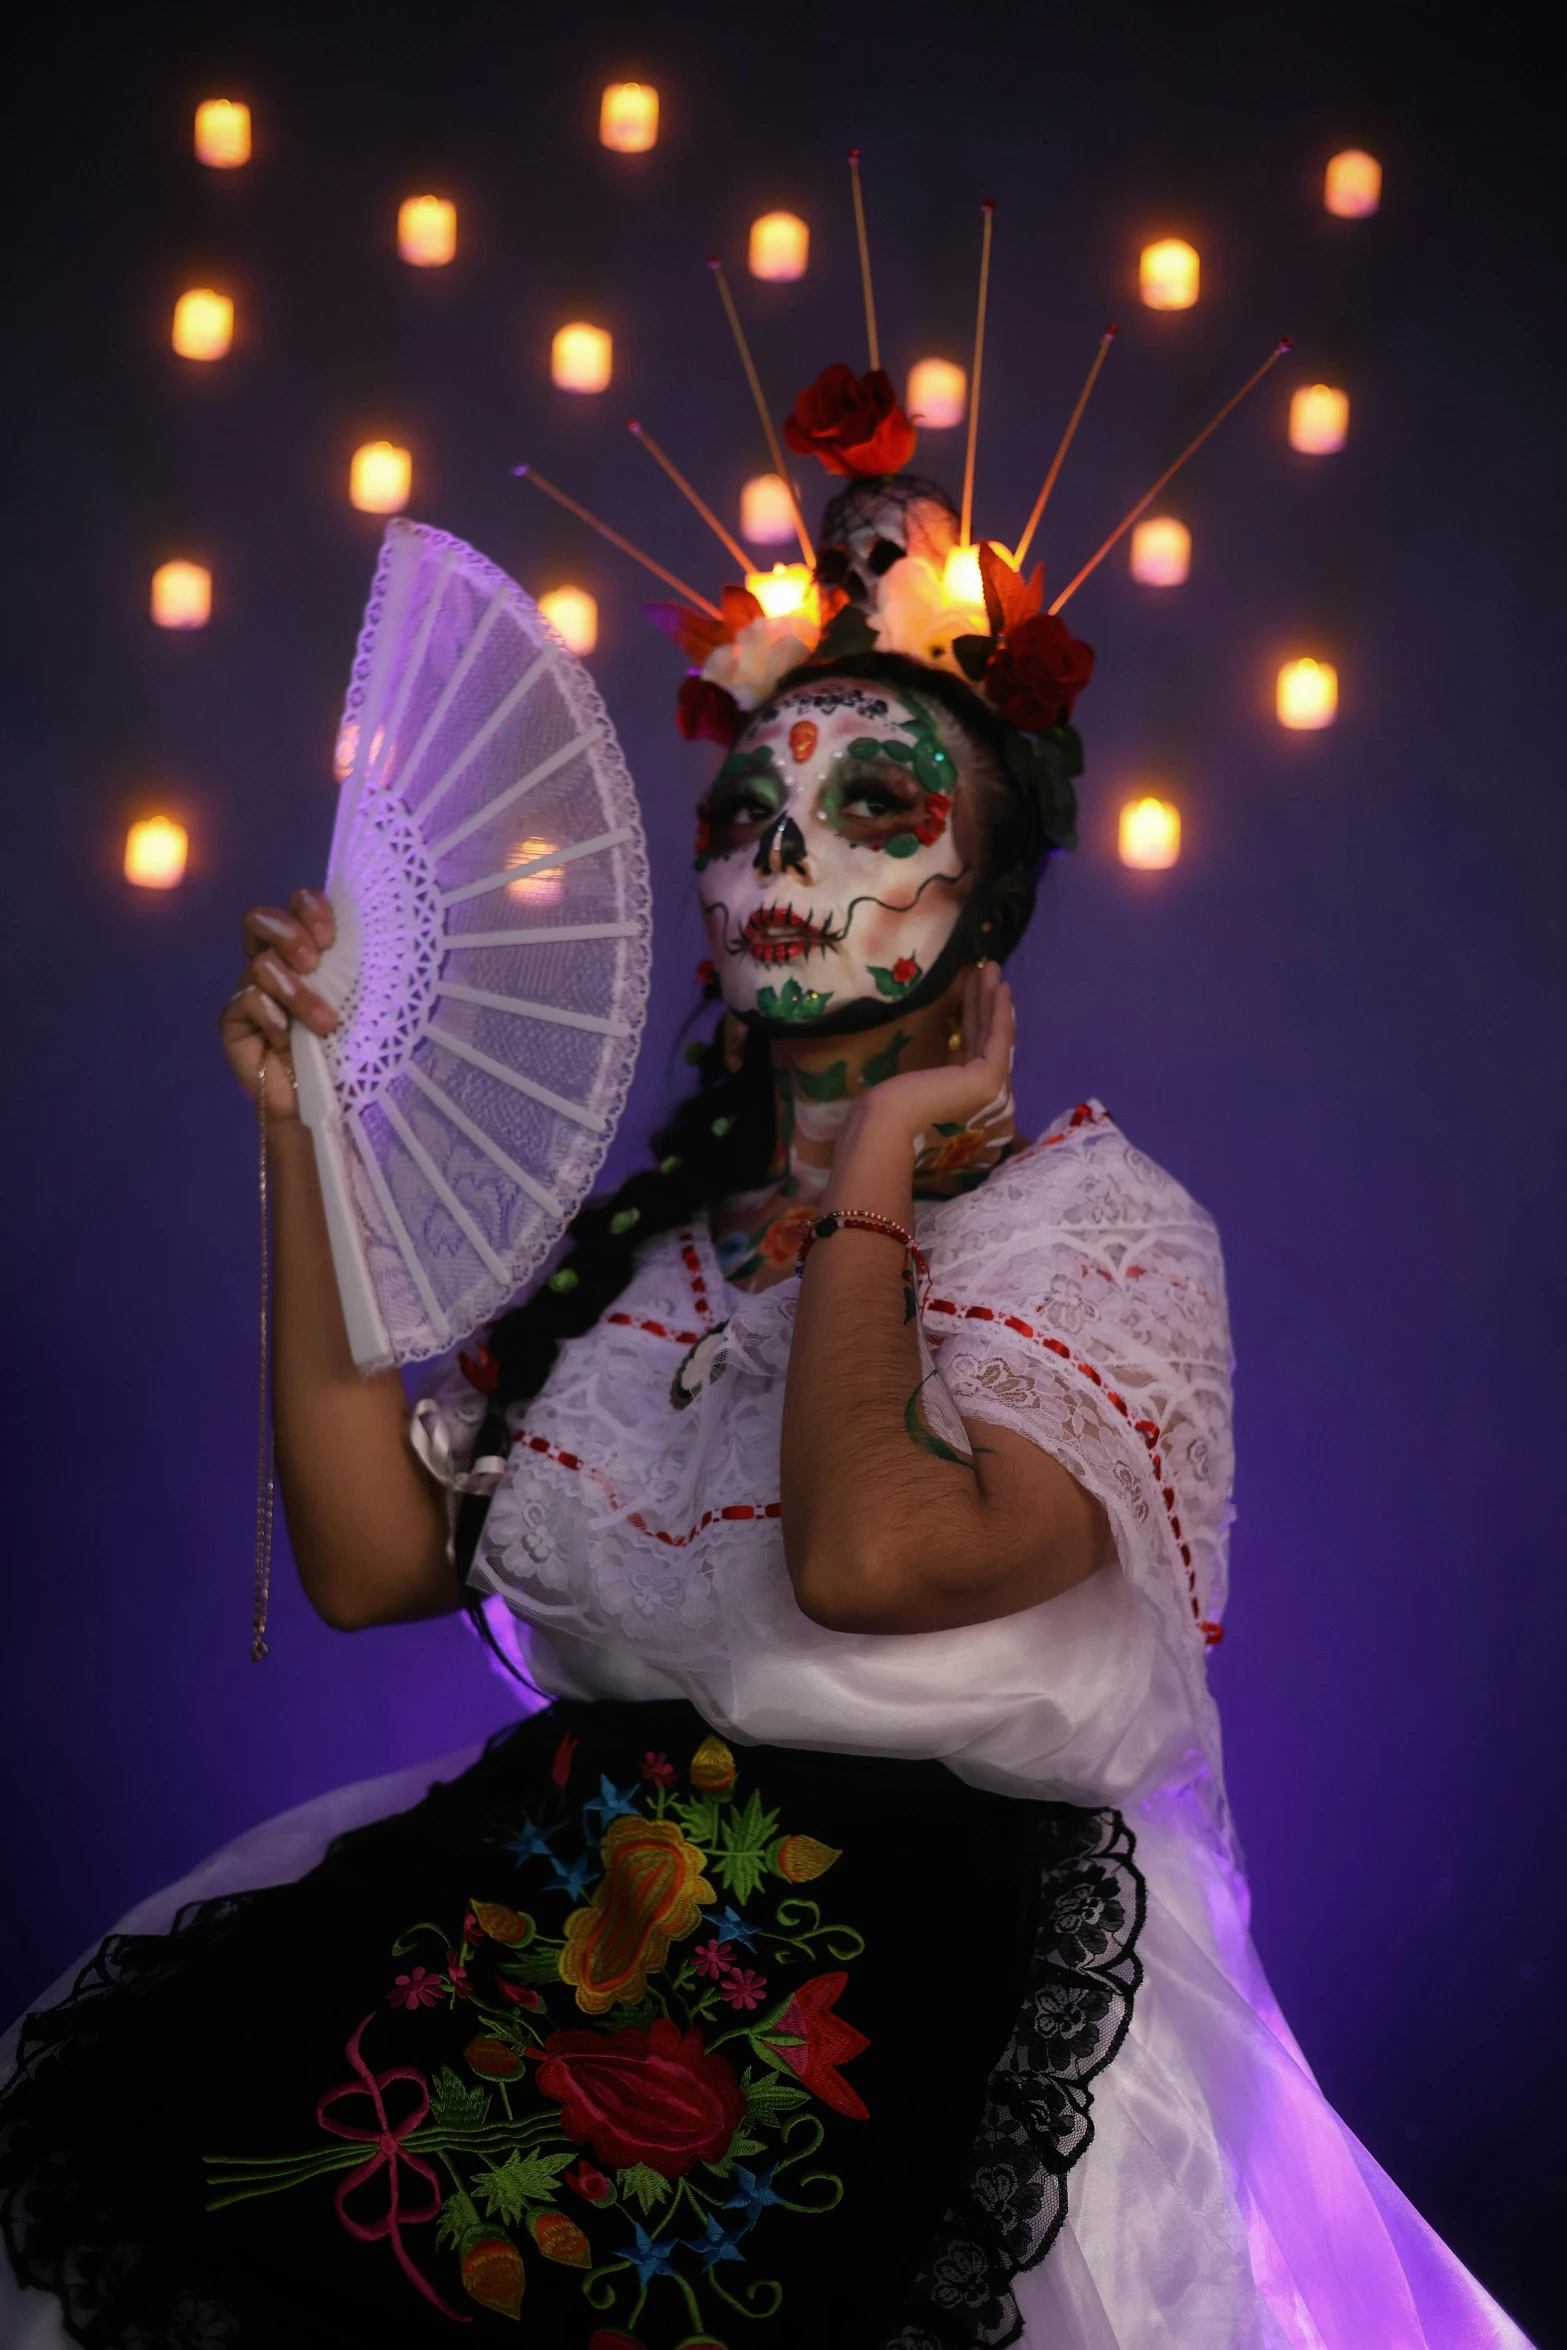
659	1768
421	1988
744	1988
713	1958
458	1975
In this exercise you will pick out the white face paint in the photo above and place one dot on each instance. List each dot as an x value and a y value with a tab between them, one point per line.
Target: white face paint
835	850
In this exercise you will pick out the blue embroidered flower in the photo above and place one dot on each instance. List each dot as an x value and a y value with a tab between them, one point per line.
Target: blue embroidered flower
650	2260
571	1878
756	2192
529	1842
730	1926
610	1804
718	2244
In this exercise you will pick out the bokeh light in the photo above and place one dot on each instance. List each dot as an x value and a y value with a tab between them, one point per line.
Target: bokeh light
1161	551
426	231
1168	274
1150	835
780	246
937	394
182	595
380	478
766	513
1319	419
574	614
1352	184
203	324
222	134
1307	694
628	117
581	358
155	853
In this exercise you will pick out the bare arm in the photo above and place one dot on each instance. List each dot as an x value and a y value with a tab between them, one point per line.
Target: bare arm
885	1529
367	1525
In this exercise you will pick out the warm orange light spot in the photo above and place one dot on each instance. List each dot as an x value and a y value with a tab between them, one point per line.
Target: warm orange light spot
786	588
1150	835
203	324
1168	274
573	612
1161	551
766	514
344	748
580	358
380	478
155	853
628	117
1307	694
426	231
182	595
936	395
222	134
536	889
1352	184
780	246
1319	419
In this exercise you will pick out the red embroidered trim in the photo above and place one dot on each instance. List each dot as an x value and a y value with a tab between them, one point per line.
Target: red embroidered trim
699	1299
656	1329
1148	1430
738	1510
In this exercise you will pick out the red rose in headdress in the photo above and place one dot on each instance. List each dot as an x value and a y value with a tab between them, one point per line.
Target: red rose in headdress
706	713
1037	672
851	422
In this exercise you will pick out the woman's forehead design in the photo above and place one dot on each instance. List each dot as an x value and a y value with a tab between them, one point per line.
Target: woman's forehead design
829	701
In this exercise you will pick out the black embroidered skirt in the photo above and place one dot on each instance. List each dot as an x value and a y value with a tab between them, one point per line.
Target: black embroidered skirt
636	2040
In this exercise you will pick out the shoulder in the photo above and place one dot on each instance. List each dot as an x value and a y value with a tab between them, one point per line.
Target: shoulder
1083	1175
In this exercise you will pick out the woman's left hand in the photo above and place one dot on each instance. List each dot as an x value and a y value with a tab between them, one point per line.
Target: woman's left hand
963	1092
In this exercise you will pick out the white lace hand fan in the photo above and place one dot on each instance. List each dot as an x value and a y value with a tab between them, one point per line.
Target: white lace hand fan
489	879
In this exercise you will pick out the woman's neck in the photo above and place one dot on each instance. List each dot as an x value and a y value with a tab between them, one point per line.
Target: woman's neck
817	1081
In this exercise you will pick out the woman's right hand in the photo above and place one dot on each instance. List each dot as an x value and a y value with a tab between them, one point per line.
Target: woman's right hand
281	948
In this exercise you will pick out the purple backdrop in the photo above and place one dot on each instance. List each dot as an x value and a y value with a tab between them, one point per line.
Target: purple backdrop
1339	1020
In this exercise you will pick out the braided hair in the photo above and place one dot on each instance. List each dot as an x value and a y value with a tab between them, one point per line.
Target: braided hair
720	1139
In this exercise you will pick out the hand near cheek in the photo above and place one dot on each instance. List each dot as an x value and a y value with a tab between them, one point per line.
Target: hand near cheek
970	1091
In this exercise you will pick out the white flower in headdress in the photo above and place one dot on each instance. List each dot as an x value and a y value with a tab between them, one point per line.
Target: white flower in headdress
750	665
914	617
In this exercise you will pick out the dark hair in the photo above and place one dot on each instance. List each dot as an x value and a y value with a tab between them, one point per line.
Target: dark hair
720	1139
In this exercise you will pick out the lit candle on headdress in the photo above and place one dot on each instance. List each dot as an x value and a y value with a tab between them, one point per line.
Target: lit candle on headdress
155	851
1352	184
182	595
780	246
580	358
1319	419
937	394
380	478
222	134
784	589
426	231
961	582
1161	551
1150	835
574	614
1168	273
1307	694
628	117
766	514
203	324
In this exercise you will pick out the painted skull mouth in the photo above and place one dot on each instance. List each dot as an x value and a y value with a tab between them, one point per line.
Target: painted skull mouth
777	934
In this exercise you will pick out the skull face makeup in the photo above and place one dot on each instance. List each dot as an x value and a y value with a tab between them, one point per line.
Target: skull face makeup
836	849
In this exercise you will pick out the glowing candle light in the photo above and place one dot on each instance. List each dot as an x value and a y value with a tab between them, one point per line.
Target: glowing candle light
182	595
1150	835
1161	551
628	117
426	231
936	395
786	588
961	582
536	889
1168	273
574	613
203	324
380	478
222	134
780	246
1307	694
1319	419
155	852
766	515
1352	185
580	358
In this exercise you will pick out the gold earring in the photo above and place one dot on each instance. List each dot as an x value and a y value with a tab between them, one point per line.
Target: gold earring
955	1033
734	1043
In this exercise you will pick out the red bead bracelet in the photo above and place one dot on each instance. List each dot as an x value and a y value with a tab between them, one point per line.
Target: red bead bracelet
862	1220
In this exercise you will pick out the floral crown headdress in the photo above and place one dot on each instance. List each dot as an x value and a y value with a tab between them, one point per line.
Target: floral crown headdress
897	571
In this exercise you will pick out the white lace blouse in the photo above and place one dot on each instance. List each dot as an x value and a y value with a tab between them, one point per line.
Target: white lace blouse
1076	1297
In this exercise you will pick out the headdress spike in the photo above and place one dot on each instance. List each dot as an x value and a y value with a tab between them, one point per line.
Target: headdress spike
989	211
1073	421
865	258
1285	343
732	545
744	349
530	473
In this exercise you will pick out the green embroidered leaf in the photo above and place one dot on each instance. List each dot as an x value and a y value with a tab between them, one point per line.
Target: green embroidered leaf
539	1963
926	1438
647	2187
765	2100
741	2147
454	2106
885	1063
457	2220
792	1001
829	1085
741	1863
699	1817
522	2179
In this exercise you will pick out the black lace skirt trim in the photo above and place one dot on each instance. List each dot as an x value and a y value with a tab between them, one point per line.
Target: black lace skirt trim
622	2033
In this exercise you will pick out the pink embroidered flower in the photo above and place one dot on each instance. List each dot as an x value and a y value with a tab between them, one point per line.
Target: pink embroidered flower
744	1987
521	1995
659	1766
712	1958
420	1989
458	1974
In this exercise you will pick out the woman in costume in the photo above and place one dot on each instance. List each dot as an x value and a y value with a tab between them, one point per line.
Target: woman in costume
854	1950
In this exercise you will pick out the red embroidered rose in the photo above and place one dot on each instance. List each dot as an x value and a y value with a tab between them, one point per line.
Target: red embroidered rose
1037	672
819	2041
656	2096
590	2184
707	713
851	422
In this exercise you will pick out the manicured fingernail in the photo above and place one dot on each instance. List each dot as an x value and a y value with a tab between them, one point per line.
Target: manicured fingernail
275	925
285	980
274	1012
312	897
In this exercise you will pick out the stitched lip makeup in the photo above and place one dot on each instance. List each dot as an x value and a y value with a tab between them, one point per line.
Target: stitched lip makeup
777	934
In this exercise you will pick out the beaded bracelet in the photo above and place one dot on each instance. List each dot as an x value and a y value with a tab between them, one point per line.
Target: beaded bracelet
862	1220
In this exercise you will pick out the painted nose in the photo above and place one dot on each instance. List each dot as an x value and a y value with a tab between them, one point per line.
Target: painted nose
781	849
